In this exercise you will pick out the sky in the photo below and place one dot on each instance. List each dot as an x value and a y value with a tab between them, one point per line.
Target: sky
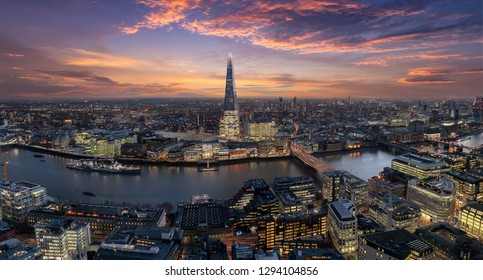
130	49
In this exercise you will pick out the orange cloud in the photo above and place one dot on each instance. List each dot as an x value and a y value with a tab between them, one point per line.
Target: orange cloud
81	57
435	75
166	13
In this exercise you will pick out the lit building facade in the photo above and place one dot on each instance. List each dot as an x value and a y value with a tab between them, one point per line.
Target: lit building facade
103	219
467	187
63	239
395	213
230	122
18	198
260	130
342	226
254	200
287	231
419	166
471	220
436	199
302	187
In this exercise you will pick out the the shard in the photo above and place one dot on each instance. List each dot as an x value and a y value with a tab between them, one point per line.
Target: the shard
230	91
230	123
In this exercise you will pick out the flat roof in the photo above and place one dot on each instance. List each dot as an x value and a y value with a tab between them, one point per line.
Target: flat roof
341	211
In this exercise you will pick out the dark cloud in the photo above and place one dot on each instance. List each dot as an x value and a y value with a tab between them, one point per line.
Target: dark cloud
311	26
82	75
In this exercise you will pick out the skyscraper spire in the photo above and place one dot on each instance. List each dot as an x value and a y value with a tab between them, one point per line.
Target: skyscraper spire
231	103
230	123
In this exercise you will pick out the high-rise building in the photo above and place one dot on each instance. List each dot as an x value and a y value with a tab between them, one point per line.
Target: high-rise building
302	187
230	122
63	239
435	198
467	187
331	182
254	200
304	229
471	220
260	129
18	198
342	184
343	227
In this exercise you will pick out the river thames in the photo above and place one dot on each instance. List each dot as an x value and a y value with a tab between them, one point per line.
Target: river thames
160	184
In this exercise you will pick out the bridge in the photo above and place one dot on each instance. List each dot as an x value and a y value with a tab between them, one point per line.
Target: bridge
309	160
453	143
398	147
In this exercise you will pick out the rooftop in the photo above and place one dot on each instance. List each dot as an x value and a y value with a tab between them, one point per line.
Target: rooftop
420	161
341	209
396	243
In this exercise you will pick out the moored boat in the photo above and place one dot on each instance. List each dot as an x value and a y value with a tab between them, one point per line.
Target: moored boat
102	166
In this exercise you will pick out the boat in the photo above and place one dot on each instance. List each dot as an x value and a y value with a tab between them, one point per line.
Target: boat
102	166
207	166
42	160
89	193
39	155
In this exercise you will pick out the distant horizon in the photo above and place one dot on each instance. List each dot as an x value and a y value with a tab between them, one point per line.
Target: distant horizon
220	99
177	49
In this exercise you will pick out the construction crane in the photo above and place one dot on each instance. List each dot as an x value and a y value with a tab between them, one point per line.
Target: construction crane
5	180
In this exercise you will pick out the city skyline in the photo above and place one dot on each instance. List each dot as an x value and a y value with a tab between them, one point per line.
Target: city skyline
312	49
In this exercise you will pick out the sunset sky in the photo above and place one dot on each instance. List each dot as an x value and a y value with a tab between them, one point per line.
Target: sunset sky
80	49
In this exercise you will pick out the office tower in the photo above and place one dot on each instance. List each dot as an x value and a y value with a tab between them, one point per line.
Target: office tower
419	166
254	200
302	187
331	182
230	122
18	198
63	239
303	229
435	198
467	187
471	220
343	227
394	245
342	184
356	190
260	129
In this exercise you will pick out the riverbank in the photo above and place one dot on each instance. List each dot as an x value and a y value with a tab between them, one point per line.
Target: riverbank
141	161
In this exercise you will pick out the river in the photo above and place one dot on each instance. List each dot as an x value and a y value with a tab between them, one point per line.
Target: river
160	184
